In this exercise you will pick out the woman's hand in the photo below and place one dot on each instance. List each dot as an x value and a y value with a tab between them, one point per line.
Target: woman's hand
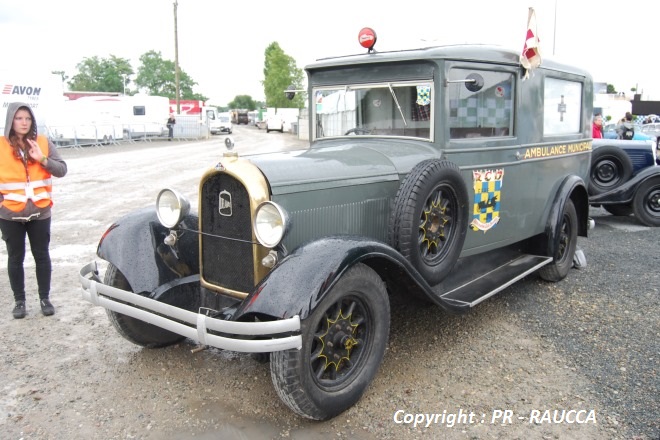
35	152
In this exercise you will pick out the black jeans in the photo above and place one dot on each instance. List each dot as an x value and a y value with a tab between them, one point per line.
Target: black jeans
38	232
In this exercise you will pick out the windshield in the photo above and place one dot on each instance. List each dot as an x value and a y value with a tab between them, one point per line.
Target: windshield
387	109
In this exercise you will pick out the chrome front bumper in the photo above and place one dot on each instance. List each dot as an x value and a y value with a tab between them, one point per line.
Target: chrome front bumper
195	326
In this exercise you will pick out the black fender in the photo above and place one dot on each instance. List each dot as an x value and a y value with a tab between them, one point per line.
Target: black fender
302	279
134	244
574	188
626	192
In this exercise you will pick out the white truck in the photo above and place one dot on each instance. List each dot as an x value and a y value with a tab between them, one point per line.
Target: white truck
208	116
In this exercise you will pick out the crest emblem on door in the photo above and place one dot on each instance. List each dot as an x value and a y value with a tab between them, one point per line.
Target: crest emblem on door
487	197
224	205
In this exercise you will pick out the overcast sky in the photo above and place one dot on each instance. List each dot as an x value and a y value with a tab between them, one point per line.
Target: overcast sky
222	43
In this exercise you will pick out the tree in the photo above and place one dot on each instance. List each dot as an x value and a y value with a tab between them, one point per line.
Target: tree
610	89
157	76
101	74
280	72
243	102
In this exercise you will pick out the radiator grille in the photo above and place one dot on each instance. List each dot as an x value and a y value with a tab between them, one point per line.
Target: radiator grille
226	262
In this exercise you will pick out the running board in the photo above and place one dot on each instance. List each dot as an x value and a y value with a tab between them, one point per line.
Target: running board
477	278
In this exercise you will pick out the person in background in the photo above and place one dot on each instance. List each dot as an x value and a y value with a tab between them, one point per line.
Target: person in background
170	126
626	128
27	163
597	127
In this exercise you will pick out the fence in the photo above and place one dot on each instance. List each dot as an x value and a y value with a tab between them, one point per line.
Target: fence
187	127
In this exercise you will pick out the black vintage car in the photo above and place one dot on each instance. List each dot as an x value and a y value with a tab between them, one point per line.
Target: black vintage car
625	179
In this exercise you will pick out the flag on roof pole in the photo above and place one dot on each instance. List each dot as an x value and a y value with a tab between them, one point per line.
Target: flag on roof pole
530	58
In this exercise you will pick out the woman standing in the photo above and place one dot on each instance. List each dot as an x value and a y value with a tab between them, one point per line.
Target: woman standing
27	163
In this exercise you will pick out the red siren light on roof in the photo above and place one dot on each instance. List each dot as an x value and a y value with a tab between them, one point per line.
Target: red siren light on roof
367	38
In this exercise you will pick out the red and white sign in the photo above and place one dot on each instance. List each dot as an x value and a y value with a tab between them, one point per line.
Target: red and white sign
367	38
188	106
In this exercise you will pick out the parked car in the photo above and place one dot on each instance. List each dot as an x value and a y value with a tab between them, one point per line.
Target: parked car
427	175
652	130
275	123
225	123
625	178
609	132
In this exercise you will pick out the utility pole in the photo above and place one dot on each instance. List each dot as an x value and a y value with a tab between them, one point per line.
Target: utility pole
176	61
554	31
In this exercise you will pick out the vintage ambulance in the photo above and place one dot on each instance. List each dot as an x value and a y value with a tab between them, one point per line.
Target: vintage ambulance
441	173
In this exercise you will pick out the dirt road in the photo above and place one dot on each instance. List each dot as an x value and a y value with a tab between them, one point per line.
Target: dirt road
73	376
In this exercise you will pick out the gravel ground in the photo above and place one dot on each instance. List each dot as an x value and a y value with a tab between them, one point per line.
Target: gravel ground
588	343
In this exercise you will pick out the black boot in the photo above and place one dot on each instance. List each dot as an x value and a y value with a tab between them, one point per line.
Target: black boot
19	310
46	307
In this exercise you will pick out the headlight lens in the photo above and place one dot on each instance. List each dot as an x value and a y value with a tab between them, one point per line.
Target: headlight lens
270	224
171	207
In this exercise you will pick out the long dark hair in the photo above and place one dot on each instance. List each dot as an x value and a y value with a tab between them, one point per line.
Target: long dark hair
19	143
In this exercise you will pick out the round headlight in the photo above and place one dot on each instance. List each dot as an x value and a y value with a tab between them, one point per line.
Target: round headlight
270	223
171	207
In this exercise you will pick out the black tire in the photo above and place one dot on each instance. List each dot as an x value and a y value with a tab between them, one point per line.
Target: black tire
620	210
610	168
564	246
136	331
307	380
430	218
646	203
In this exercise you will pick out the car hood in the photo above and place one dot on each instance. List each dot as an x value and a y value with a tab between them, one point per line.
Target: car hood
341	164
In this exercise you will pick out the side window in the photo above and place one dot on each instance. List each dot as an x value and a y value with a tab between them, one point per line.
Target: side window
139	110
562	106
480	103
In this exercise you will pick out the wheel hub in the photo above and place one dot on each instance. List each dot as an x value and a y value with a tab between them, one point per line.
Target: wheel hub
654	201
606	172
433	226
338	341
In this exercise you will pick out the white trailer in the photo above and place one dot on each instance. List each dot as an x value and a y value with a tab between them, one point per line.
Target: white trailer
102	119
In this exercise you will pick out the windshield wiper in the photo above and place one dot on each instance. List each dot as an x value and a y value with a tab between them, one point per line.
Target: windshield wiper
396	101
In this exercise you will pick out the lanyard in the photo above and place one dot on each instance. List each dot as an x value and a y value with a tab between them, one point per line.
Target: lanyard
25	164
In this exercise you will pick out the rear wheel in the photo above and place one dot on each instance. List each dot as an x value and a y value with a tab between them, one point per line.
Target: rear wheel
136	331
646	203
343	343
565	242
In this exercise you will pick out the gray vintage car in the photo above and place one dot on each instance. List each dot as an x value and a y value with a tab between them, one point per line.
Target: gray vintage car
441	173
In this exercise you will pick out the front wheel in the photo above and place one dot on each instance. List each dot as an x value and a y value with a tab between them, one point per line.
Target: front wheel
564	245
136	331
343	344
646	203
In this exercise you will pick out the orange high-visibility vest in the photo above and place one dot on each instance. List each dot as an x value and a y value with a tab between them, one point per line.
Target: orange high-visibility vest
17	186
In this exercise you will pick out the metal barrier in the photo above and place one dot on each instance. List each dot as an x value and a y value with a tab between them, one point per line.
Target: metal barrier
96	135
